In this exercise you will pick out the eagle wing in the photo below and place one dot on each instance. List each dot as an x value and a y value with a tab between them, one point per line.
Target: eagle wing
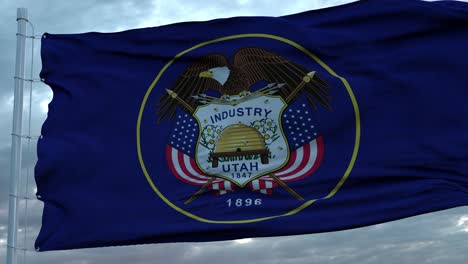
189	83
260	64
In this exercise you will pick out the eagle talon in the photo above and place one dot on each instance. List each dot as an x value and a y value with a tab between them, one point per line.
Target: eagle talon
244	93
225	97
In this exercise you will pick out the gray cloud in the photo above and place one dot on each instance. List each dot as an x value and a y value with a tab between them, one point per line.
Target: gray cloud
422	239
434	238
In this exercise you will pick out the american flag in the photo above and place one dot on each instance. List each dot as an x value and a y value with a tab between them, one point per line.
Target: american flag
305	143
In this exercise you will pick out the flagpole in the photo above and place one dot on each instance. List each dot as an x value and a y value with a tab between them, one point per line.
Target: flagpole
15	166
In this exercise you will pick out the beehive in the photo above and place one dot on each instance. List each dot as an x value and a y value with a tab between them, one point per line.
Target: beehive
239	138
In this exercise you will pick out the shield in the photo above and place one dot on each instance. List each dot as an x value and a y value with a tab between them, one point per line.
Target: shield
241	141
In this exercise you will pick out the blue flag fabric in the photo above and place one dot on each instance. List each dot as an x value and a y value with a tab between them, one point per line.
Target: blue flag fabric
254	126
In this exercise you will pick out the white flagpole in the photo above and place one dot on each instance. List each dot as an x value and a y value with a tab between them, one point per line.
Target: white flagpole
15	167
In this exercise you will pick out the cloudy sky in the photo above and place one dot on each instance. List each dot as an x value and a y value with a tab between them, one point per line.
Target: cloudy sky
440	237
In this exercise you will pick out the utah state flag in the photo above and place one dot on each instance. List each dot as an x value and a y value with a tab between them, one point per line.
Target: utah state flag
254	126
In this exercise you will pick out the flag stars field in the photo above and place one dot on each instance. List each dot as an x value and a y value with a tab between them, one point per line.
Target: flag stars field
184	134
299	127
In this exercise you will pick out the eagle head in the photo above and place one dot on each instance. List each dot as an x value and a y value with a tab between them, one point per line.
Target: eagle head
220	74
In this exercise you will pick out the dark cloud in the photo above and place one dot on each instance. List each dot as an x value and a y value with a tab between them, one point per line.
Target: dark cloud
434	238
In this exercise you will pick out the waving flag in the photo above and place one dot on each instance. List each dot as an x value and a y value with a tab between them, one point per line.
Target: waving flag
254	126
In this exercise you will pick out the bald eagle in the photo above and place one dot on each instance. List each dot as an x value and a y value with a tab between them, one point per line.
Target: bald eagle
233	80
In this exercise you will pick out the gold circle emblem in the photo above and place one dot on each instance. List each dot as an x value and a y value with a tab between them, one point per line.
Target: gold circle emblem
306	203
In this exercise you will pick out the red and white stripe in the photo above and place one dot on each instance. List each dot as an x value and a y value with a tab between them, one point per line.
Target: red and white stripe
302	163
186	170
